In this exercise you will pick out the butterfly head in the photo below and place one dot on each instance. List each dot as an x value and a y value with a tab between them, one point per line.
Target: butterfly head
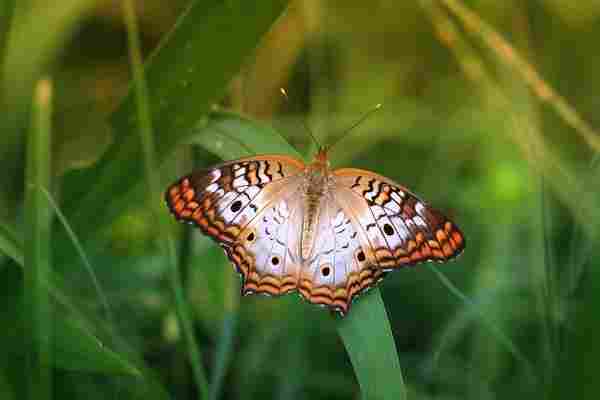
321	161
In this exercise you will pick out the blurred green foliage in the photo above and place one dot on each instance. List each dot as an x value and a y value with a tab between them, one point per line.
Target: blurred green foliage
460	125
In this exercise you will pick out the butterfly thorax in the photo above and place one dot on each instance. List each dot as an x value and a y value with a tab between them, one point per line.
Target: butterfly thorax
315	190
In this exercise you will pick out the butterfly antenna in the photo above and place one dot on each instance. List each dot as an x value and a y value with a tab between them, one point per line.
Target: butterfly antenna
357	123
306	127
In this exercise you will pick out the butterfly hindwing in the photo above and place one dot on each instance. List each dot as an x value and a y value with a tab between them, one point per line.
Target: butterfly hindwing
341	267
271	245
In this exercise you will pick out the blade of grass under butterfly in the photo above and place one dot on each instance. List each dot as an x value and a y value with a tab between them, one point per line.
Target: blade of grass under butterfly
366	331
190	70
152	180
368	339
37	246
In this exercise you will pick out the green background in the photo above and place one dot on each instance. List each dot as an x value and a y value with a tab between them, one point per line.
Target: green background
489	111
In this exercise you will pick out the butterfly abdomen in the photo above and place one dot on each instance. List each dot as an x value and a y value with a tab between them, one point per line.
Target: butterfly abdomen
309	222
315	191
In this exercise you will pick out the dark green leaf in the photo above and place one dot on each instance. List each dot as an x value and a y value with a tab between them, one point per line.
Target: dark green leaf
188	72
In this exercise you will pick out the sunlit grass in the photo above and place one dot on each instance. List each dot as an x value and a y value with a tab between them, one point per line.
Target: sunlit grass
144	119
37	260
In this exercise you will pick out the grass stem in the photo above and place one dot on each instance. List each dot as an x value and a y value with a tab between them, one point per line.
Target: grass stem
152	180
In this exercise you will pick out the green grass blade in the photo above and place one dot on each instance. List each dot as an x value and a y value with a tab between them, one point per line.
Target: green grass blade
60	341
75	347
6	389
10	245
27	53
579	359
226	341
188	72
55	341
368	339
37	245
81	252
508	55
7	8
366	331
147	139
223	353
495	330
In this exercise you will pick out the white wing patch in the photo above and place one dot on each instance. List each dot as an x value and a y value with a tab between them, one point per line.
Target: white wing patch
271	243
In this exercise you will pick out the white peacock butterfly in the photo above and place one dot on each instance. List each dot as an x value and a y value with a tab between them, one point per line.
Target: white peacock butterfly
329	234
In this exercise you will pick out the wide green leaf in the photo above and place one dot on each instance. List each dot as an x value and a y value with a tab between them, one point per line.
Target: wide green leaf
368	339
188	72
229	135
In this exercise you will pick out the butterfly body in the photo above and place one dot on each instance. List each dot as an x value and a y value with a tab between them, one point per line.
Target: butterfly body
315	190
329	234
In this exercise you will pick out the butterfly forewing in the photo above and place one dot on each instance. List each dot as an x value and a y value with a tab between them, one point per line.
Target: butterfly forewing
222	199
401	228
227	198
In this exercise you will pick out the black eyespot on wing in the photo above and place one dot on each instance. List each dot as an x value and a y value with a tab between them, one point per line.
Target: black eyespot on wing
387	228
361	256
235	207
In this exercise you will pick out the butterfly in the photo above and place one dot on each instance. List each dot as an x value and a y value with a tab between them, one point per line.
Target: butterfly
328	234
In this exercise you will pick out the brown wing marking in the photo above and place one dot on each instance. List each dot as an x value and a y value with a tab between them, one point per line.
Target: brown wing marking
202	198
